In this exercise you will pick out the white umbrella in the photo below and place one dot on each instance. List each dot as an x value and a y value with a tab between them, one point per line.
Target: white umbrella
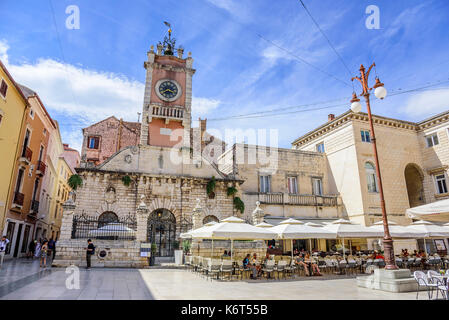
429	230
234	228
264	225
295	229
113	229
397	231
188	234
346	229
435	211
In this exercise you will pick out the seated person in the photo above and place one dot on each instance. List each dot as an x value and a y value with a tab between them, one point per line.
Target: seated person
315	268
406	254
225	254
246	261
379	256
267	258
300	261
256	266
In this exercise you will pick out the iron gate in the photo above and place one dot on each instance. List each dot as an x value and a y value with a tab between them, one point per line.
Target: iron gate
161	230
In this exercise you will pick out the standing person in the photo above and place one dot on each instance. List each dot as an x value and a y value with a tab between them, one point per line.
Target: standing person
44	250
3	243
51	247
37	250
90	250
31	248
54	249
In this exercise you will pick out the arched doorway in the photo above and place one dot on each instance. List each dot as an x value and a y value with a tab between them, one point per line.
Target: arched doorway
161	230
210	218
414	181
106	218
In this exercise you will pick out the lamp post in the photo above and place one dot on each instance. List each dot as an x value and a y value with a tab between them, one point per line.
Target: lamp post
380	92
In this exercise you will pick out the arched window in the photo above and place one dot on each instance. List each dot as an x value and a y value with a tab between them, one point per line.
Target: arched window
208	219
107	217
371	178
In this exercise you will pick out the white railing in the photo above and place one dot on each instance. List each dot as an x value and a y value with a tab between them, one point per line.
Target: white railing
170	112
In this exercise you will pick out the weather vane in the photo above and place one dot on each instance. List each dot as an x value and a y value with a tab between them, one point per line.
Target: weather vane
169	43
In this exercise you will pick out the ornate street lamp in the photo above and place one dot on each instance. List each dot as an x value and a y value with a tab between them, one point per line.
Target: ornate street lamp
380	92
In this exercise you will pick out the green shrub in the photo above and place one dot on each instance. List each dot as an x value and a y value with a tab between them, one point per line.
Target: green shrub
75	181
126	180
211	186
239	205
231	191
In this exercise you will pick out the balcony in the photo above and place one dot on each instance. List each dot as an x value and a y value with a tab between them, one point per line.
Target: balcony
25	158
34	208
297	199
18	199
167	112
40	169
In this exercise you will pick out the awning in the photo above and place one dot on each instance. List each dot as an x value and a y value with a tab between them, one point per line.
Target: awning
436	211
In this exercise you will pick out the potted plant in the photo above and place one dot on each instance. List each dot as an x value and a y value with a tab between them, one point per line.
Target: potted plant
178	253
186	246
153	254
126	180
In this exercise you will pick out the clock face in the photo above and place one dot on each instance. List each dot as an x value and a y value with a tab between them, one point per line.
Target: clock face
168	89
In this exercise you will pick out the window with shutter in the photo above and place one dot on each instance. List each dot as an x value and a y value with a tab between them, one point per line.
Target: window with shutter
3	88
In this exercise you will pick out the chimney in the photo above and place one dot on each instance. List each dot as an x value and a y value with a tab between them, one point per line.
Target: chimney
65	145
331	117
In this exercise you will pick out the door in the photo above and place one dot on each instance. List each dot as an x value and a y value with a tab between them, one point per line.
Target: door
10	235
18	238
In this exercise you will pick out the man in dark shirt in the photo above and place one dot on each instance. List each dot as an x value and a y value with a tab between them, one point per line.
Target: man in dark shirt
90	250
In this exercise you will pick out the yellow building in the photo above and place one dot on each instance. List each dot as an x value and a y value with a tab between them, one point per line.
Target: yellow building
12	111
60	191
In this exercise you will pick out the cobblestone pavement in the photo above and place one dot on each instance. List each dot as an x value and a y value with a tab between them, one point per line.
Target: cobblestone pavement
22	279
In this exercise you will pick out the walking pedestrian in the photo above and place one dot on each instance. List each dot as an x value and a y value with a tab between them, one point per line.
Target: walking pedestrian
31	248
51	247
90	250
37	250
3	243
44	250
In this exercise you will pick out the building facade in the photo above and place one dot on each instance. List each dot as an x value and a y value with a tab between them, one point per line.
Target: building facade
13	107
157	187
102	139
413	160
28	173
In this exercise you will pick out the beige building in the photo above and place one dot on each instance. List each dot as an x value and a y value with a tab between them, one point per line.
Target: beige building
413	161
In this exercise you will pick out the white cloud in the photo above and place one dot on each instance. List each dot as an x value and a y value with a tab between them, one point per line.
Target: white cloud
235	8
427	102
79	97
202	106
4	51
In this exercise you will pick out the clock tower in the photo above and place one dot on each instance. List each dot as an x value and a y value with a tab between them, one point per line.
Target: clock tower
166	116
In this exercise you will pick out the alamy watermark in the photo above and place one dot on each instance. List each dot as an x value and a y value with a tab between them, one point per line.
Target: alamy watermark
72	22
373	20
73	280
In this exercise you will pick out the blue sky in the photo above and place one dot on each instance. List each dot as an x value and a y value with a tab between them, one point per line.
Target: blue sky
88	74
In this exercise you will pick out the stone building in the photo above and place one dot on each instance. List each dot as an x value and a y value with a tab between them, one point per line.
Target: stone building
285	183
102	139
150	188
413	157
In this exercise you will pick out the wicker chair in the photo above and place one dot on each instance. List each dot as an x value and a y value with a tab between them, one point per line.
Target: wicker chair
280	268
226	269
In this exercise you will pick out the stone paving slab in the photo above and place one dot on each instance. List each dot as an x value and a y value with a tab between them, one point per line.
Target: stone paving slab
146	284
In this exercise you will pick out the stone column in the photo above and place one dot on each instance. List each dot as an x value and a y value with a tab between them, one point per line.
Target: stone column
142	220
67	218
258	214
196	215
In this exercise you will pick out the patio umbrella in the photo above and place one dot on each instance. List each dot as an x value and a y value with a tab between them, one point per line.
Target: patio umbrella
436	211
398	231
188	234
264	225
429	230
346	229
113	229
234	228
295	229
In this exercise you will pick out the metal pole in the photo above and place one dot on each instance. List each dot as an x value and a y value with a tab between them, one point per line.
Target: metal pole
291	240
387	240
